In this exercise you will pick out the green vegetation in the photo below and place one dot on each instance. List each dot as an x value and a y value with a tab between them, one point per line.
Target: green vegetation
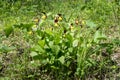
59	40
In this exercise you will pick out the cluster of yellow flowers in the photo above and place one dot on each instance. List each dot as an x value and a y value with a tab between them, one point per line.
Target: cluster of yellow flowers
57	19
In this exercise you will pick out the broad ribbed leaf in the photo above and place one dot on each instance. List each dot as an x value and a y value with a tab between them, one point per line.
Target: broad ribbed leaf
62	59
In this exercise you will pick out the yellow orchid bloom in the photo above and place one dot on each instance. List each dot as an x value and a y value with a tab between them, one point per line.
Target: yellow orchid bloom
60	18
30	32
44	17
56	25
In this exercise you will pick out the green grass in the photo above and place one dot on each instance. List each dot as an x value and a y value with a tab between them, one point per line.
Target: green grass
81	45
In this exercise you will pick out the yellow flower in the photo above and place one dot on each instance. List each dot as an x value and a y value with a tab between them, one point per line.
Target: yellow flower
34	26
83	22
36	20
71	26
64	35
44	17
56	25
30	32
76	22
60	18
51	28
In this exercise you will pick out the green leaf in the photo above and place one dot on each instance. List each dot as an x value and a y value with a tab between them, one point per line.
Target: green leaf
24	26
70	49
90	24
6	48
62	59
27	26
51	43
55	49
49	32
75	43
41	43
8	31
69	37
41	23
4	78
39	49
102	37
99	36
33	54
54	67
48	14
57	39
